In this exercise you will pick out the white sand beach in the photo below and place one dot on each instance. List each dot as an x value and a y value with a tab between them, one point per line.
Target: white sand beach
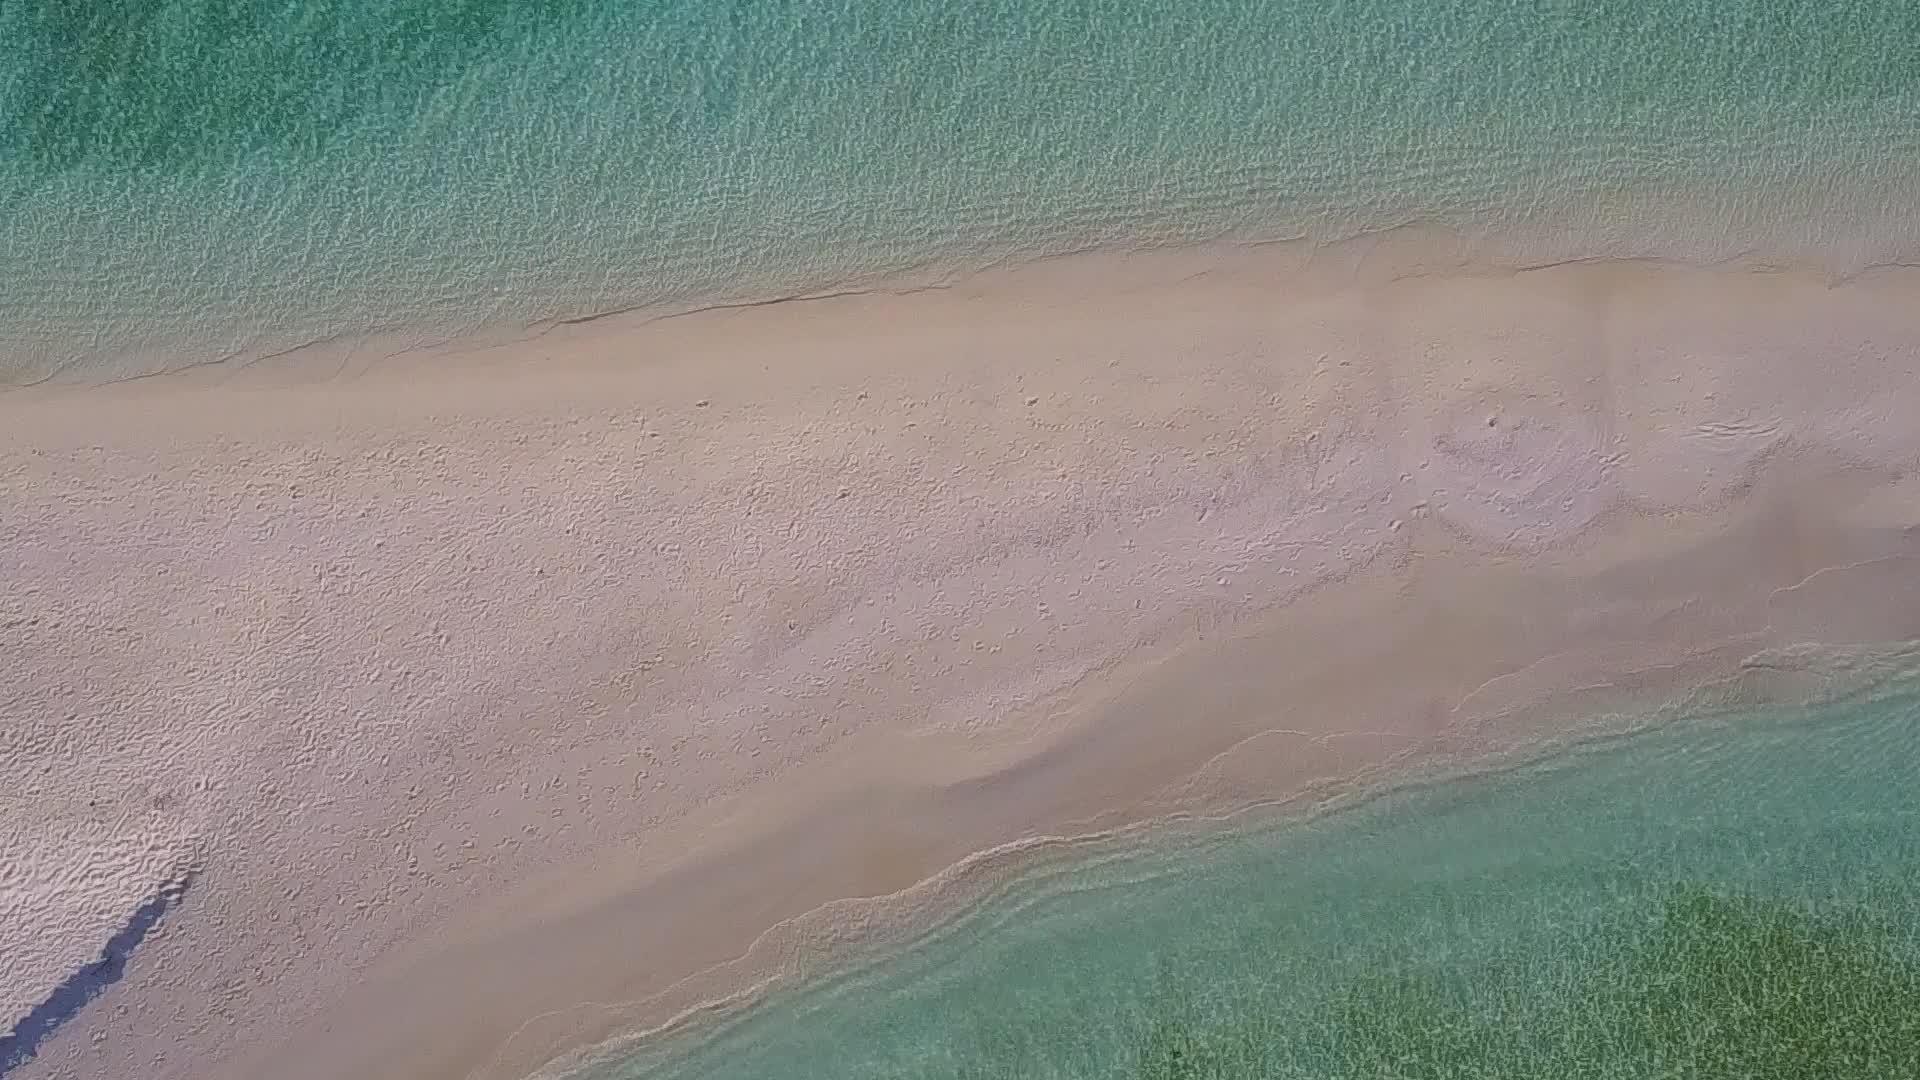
503	698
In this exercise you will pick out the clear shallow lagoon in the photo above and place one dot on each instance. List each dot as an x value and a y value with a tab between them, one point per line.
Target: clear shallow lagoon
185	180
1728	895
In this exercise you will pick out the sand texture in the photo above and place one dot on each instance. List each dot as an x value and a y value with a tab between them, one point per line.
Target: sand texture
495	701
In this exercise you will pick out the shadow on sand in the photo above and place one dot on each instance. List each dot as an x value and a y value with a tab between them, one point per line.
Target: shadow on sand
18	1046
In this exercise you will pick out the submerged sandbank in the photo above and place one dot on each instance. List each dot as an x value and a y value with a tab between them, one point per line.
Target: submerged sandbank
500	691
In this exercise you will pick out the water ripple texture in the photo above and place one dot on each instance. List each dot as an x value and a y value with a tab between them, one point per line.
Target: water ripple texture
192	179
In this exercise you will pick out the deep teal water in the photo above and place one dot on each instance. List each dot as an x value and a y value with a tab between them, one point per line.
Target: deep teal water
196	178
1734	894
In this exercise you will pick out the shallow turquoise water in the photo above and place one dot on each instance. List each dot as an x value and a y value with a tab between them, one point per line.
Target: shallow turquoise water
194	178
1578	912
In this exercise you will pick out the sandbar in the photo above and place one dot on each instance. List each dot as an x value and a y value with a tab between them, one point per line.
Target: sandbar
505	697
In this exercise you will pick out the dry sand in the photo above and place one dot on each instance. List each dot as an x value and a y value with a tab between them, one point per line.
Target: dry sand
500	700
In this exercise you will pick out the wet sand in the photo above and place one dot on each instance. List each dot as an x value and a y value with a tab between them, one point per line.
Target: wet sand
500	699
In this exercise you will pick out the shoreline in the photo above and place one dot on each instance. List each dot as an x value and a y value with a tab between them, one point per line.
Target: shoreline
637	595
1643	228
962	893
